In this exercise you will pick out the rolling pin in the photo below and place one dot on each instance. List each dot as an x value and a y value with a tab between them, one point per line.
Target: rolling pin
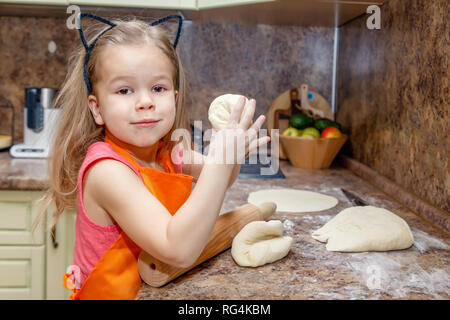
156	273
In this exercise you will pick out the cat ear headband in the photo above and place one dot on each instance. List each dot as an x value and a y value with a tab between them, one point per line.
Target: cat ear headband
90	47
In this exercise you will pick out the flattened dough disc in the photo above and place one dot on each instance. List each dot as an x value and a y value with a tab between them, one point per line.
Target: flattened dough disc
293	200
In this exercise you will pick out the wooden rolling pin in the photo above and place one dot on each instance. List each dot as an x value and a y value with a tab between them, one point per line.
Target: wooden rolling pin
157	273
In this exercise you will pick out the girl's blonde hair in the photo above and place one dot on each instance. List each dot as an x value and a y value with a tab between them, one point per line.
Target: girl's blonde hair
77	129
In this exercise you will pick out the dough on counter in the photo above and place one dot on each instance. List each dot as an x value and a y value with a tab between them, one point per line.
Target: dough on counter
220	110
293	200
365	228
260	242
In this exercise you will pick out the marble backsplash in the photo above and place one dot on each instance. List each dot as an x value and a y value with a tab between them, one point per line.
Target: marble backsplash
259	61
393	96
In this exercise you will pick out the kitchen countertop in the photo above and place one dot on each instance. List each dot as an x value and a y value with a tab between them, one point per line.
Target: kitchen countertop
22	174
309	271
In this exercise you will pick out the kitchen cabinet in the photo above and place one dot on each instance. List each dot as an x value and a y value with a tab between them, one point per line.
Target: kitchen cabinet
39	2
169	4
32	264
207	4
155	4
22	272
59	255
330	13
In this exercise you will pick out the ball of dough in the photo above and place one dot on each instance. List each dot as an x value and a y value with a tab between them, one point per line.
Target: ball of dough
365	228
220	110
260	242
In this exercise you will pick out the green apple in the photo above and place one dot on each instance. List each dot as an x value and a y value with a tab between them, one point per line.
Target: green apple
310	132
292	132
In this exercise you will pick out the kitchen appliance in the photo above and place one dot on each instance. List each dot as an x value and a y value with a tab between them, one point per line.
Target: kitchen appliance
40	118
293	101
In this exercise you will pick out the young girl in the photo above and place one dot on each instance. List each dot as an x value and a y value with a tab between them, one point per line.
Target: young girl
111	159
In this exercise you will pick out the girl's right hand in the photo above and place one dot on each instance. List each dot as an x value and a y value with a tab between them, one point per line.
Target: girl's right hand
231	145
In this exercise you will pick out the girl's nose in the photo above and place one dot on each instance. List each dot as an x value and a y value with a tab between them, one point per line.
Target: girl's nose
145	102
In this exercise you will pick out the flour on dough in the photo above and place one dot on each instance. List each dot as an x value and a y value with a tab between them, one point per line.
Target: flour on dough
220	110
293	200
365	228
260	242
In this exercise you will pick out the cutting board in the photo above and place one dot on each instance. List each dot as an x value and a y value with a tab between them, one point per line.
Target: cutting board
296	100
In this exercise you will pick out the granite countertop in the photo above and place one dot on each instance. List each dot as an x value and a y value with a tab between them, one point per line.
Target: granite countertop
22	174
309	271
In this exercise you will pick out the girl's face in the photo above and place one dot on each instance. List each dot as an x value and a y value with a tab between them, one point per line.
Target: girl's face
134	95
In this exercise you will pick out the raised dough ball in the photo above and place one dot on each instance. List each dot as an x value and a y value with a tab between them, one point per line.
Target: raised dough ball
365	228
260	242
220	110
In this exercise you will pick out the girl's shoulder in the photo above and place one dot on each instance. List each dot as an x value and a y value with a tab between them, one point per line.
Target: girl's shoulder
99	148
102	151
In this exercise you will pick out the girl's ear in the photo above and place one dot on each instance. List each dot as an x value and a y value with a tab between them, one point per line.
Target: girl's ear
176	95
95	110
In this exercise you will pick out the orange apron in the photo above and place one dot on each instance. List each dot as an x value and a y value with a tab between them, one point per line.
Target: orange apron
116	275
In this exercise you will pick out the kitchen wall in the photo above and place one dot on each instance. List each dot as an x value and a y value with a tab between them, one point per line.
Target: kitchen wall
260	61
393	95
25	60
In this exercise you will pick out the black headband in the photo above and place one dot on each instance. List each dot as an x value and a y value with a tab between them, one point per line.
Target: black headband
90	47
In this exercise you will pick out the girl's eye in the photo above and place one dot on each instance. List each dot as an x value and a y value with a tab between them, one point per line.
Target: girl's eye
158	89
123	91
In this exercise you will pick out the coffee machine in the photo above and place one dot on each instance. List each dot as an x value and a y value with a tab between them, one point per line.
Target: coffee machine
40	118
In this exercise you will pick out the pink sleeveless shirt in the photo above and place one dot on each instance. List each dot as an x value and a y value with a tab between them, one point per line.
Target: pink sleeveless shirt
91	239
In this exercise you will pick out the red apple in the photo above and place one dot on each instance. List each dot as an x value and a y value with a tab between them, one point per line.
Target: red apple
331	132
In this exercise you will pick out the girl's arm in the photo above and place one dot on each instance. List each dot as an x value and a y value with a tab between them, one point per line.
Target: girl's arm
176	240
195	168
234	174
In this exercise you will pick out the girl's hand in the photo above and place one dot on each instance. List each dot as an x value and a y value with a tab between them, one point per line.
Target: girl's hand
231	145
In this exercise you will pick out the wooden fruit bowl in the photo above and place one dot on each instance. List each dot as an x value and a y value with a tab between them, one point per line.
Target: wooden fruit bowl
311	153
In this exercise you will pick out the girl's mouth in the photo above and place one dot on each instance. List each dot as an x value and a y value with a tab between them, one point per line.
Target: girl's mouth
145	123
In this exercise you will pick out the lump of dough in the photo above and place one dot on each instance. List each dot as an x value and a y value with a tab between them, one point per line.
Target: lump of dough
292	200
260	242
365	228
220	110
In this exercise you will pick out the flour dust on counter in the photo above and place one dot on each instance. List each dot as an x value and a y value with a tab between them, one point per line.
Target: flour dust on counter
288	224
423	241
400	273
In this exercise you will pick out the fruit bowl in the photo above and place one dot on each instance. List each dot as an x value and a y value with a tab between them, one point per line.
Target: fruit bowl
311	153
